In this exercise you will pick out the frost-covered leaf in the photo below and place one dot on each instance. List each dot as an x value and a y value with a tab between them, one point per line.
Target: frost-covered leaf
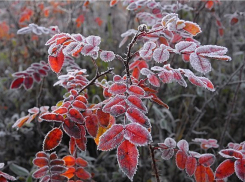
91	122
137	134
167	153
116	100
118	88
180	159
136	90
107	56
153	80
127	156
52	117
191	165
166	76
183	145
75	116
56	63
225	169
135	115
200	64
161	54
185	47
137	102
111	138
146	51
206	160
117	110
52	139
71	128
93	40
240	169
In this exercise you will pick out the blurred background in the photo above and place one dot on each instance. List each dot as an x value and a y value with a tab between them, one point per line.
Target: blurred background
218	114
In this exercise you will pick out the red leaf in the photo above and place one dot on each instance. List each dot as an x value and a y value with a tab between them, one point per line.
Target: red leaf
171	143
116	100
53	156
136	73
209	174
137	134
191	165
61	110
111	138
82	174
113	2
136	90
229	153
155	99
153	80
200	174
166	76
52	139
57	169
91	123
234	20
135	115
56	63
118	88
41	154
40	172
72	145
52	117
146	51
137	102
127	156
71	129
225	169
28	82
76	116
178	77
208	84
103	118
57	162
40	161
69	160
206	160
4	176
240	169
180	159
81	143
81	162
82	99
117	110
17	83
79	105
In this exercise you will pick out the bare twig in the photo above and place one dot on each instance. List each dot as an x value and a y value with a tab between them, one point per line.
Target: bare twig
152	149
201	113
233	105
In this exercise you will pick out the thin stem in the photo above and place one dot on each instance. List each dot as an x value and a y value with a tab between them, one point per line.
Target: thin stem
201	112
233	104
152	149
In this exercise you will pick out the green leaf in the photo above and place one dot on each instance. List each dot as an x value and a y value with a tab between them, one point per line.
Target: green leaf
20	171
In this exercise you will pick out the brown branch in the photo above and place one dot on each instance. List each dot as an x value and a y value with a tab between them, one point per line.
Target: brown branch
152	149
97	75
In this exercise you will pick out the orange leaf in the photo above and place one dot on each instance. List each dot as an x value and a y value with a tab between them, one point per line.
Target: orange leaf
69	173
69	160
192	28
